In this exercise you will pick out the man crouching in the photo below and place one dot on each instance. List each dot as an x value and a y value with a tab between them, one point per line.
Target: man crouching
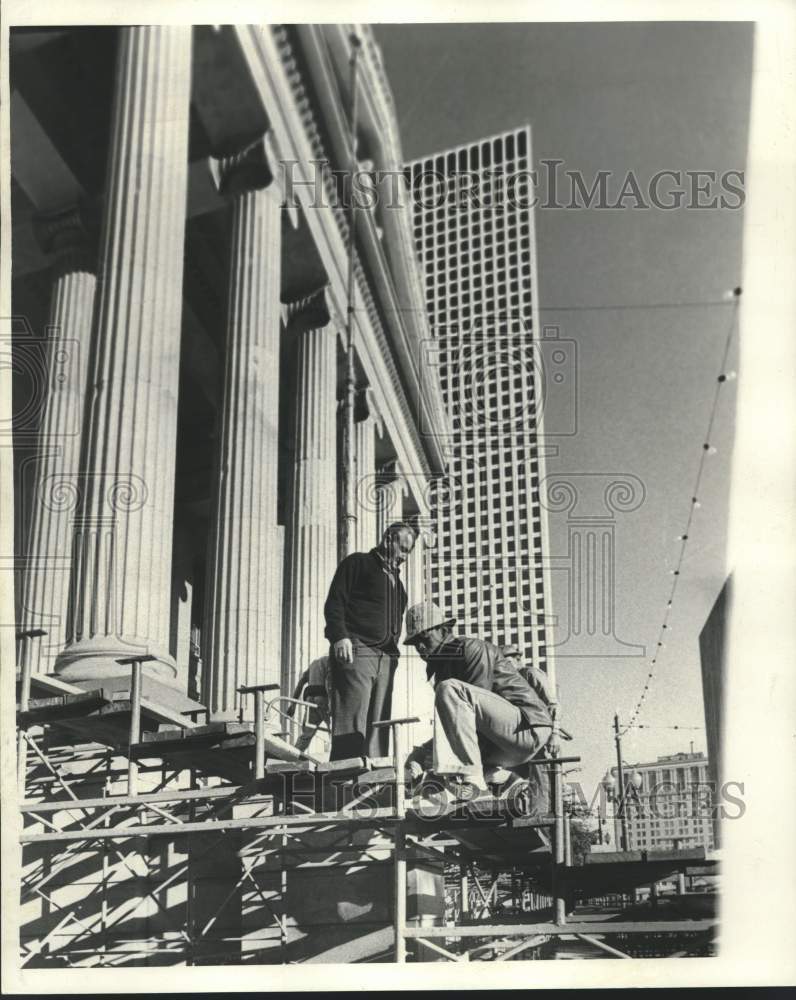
486	715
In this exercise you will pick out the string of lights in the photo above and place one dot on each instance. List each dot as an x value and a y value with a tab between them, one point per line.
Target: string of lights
644	725
707	450
626	306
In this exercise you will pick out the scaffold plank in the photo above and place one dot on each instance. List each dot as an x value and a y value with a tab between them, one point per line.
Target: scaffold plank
344	768
378	776
47	682
290	767
374	817
681	854
213	732
121	800
710	867
162	713
57	707
462	818
575	927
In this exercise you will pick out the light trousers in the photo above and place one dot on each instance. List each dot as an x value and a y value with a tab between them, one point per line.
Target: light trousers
462	714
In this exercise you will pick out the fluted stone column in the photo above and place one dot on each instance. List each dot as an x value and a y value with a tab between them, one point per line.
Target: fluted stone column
366	494
182	589
390	492
414	573
243	603
49	554
121	577
313	524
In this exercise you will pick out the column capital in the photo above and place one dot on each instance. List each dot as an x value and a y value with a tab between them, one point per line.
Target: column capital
365	408
390	471
310	312
252	168
69	235
390	477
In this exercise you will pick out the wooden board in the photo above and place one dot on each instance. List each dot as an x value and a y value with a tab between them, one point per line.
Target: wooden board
62	706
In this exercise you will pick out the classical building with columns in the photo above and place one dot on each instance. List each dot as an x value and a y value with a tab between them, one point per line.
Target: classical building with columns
180	294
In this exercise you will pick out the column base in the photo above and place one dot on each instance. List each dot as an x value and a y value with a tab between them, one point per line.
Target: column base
96	660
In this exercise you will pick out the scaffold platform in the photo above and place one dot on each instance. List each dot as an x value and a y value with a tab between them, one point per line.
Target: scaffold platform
239	857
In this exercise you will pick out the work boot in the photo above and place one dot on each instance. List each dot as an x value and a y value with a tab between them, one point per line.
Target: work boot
466	787
432	799
497	775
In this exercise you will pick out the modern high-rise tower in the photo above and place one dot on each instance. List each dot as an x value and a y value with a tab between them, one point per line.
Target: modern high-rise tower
474	231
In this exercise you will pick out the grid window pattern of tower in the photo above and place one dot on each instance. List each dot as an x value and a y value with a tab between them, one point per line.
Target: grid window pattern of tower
474	234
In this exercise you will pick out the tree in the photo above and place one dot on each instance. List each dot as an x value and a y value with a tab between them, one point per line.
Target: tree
582	837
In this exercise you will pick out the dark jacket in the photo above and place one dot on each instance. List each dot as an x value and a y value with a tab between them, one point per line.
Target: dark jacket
365	602
478	662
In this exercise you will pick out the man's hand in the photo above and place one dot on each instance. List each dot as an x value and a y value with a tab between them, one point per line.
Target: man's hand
344	651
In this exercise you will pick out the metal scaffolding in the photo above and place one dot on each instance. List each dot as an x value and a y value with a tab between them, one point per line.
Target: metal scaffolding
203	833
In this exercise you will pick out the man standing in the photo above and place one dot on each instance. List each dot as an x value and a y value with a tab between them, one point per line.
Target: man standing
486	715
364	614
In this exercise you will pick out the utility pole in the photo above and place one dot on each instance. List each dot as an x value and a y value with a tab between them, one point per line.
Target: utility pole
349	459
621	779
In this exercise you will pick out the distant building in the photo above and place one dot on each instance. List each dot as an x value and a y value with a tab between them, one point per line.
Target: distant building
713	657
672	806
474	232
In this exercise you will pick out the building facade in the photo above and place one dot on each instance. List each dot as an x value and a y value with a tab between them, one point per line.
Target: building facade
669	805
180	254
180	266
474	231
713	663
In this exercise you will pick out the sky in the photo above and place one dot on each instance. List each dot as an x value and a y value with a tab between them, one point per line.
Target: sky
646	297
